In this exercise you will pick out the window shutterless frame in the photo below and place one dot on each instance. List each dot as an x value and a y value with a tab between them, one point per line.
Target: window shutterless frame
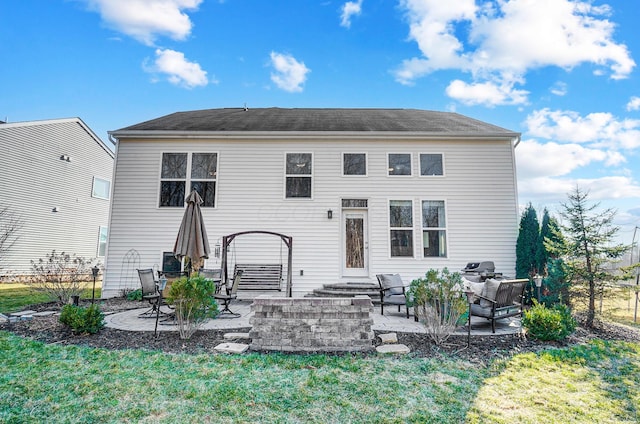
181	172
101	188
431	164
298	175
401	233
434	228
399	164
354	164
102	240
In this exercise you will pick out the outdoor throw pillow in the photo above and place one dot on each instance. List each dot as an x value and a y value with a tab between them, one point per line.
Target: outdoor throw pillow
391	280
476	288
489	291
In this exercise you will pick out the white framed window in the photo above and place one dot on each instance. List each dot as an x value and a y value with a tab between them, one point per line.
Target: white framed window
101	188
199	170
399	164
354	164
401	228
434	229
102	240
431	164
298	175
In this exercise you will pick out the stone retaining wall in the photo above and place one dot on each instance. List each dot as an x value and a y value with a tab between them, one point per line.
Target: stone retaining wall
311	324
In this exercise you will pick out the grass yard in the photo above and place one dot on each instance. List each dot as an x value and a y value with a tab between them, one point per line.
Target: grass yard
598	382
15	296
619	305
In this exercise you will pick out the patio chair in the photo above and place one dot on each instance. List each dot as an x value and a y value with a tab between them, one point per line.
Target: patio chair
214	275
392	291
500	299
149	292
229	295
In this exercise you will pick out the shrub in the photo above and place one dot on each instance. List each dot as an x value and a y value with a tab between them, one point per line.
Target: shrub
60	275
194	303
438	302
82	320
134	294
545	324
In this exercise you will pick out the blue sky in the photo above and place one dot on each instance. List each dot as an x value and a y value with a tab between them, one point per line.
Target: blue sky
561	72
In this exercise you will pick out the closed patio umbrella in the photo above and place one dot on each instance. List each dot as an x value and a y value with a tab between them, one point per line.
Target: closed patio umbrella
192	236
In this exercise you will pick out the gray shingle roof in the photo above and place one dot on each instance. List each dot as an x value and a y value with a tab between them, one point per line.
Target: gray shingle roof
319	120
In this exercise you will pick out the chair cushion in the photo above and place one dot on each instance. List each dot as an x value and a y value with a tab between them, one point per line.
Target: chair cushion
479	311
394	299
393	282
489	291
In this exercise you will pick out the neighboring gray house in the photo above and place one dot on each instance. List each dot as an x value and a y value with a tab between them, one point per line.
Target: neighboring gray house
361	191
56	179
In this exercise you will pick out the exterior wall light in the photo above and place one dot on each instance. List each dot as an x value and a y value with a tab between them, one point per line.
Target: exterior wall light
329	214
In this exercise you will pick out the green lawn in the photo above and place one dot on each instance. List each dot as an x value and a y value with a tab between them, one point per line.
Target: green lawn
15	296
598	382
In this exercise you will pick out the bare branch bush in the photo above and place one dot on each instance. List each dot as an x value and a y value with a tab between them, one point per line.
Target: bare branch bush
10	226
60	275
438	302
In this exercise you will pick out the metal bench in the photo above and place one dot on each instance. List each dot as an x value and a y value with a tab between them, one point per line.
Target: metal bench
260	276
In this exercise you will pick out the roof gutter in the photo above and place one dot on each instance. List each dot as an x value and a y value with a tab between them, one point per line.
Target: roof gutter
517	141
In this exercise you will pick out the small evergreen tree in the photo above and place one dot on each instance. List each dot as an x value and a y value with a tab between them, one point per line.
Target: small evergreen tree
527	244
587	246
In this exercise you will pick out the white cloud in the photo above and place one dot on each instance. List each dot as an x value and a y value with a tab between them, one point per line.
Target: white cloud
178	69
503	40
556	189
634	103
145	20
488	93
559	88
289	74
350	9
596	128
535	160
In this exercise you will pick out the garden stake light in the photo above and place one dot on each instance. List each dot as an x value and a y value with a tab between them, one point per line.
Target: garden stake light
538	280
470	298
94	271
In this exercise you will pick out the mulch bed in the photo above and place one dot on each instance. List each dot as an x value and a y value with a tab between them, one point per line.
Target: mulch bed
483	349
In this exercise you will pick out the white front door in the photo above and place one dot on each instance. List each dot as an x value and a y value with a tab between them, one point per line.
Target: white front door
355	248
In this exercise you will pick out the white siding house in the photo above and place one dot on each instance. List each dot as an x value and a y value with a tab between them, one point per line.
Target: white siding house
361	191
55	179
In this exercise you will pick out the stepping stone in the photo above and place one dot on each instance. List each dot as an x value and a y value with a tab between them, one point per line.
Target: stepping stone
44	313
23	313
237	336
4	318
393	348
232	347
388	338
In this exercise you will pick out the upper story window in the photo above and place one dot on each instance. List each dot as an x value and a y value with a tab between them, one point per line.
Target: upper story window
298	170
431	164
198	169
354	164
401	228
399	163
101	188
434	229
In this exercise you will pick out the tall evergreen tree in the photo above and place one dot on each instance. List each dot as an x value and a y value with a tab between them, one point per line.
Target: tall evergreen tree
587	246
527	244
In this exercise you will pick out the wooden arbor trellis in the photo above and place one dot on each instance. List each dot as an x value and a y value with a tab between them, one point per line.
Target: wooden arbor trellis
287	240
